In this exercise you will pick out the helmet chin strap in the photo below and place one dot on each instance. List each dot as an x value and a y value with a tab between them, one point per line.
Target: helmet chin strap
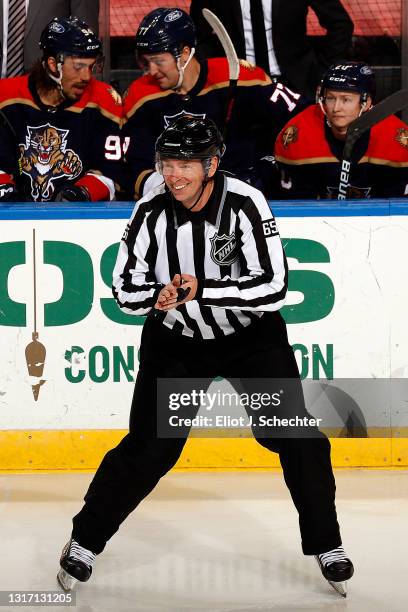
57	79
205	183
320	100
199	197
363	108
181	68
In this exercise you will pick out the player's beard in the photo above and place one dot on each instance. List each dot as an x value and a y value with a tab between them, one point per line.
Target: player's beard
75	91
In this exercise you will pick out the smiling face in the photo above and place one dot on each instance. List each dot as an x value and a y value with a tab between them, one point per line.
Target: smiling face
185	178
162	67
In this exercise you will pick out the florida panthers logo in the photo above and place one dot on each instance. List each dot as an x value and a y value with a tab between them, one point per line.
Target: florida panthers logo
290	135
45	159
402	137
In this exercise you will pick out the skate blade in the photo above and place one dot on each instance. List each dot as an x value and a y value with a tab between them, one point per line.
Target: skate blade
339	587
66	580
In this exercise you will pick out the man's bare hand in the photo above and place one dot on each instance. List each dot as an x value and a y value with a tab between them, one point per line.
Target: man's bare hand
169	298
168	295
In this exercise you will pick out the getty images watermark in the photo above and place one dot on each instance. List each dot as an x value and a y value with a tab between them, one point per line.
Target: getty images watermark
253	401
267	407
340	408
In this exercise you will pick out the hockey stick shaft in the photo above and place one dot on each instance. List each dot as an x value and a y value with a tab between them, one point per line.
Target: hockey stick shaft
4	122
391	105
232	58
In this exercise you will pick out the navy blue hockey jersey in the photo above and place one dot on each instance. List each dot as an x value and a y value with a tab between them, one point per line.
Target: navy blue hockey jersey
261	108
42	148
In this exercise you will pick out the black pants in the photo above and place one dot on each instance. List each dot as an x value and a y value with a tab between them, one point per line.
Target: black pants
129	472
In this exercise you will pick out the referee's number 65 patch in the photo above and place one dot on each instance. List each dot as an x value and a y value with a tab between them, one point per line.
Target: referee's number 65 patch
269	228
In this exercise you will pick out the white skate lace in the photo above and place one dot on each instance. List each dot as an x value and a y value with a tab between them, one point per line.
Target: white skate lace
78	553
333	556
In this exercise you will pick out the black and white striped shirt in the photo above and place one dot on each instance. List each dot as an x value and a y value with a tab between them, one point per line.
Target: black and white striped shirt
232	246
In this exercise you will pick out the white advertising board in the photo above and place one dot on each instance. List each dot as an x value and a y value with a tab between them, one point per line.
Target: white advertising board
345	313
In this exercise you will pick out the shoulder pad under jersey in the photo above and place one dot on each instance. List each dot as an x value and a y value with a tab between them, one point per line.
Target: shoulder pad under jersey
303	139
14	89
142	90
104	97
389	140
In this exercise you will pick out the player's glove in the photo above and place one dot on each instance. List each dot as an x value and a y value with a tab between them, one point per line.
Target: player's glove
72	193
8	193
266	177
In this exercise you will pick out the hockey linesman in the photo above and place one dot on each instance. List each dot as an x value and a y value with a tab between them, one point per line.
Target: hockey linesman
210	311
177	82
309	149
59	127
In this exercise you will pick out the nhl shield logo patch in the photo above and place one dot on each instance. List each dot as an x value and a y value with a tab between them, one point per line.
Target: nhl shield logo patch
224	249
170	118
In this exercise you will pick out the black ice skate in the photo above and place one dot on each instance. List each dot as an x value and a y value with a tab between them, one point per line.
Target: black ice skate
336	568
76	564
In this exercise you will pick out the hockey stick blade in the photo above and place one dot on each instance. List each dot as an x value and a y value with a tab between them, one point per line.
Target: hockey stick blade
226	42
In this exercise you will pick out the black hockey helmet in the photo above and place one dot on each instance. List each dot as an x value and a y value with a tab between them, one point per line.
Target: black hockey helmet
190	137
165	30
355	77
66	36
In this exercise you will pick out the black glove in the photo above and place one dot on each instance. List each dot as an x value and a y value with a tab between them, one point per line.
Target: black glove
9	193
72	193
